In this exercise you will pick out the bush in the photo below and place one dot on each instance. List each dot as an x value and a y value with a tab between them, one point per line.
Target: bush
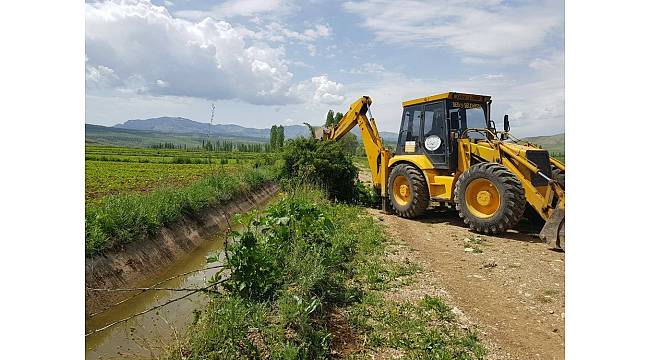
324	163
288	268
291	267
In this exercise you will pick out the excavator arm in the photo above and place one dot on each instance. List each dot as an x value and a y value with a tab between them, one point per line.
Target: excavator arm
375	152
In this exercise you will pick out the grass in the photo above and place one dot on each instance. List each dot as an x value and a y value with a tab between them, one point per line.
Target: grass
120	219
422	330
472	244
297	262
419	329
286	272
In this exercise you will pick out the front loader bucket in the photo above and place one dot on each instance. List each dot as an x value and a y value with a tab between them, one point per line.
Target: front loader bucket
553	231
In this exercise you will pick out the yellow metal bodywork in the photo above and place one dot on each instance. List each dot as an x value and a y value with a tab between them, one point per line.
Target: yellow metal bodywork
447	95
376	153
544	199
441	183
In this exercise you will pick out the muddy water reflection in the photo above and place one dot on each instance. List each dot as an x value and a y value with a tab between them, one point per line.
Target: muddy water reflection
150	334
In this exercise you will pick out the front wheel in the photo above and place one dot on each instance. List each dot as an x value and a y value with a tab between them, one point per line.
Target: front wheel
489	198
408	191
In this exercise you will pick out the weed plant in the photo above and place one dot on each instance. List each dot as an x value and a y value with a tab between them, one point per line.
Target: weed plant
288	269
292	265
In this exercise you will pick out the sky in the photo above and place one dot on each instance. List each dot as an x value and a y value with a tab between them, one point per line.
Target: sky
266	62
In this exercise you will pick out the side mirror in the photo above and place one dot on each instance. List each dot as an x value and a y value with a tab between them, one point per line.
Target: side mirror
506	123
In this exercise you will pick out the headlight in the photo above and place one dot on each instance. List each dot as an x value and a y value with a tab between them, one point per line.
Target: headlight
432	143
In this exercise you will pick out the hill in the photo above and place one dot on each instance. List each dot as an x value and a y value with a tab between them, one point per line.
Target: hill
183	131
179	125
178	130
552	143
103	135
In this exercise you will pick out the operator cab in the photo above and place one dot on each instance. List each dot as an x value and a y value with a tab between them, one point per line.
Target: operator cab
431	124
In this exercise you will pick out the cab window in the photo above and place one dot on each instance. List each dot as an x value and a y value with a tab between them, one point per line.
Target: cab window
435	124
410	129
434	119
470	116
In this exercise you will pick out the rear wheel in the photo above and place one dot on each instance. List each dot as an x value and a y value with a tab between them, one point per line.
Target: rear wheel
489	198
409	194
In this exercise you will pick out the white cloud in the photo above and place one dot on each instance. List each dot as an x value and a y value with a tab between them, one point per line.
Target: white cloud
100	77
280	32
535	104
138	46
320	90
550	63
367	68
477	28
327	91
312	49
247	8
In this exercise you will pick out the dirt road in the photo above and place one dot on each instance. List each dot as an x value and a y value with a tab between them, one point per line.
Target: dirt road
510	288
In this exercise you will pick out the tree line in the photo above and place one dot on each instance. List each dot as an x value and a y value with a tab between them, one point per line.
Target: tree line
276	140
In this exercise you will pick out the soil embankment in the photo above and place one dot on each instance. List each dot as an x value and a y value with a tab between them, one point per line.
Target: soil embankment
142	260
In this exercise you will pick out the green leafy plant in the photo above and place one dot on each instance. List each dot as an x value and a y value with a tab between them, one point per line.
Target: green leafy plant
326	164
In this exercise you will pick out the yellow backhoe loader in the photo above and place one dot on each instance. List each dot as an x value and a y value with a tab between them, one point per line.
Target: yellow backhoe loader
449	152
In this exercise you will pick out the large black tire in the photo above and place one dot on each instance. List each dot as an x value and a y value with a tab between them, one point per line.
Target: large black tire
511	198
418	196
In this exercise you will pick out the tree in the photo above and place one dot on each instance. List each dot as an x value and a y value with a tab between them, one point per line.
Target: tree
349	143
329	121
338	118
274	137
280	136
322	163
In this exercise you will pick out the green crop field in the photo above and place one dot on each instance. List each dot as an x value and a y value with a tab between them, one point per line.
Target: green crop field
120	170
132	192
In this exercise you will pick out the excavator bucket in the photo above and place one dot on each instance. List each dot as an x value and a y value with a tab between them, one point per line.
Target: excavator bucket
319	134
553	231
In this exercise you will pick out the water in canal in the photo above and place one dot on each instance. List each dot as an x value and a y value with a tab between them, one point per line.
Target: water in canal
149	335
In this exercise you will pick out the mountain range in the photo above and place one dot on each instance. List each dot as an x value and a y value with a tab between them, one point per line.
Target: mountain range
179	125
145	132
178	130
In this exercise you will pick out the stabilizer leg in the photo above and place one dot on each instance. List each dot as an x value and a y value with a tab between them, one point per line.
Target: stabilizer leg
553	231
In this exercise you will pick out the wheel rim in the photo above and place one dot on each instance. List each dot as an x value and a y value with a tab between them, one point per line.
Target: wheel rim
401	190
482	198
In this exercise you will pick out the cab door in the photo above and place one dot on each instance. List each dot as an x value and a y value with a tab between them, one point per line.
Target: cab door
435	132
410	134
